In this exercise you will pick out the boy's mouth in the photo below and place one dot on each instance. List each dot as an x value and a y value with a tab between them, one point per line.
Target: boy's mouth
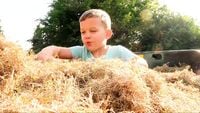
88	43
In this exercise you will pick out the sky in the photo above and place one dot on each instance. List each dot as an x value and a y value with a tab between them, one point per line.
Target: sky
185	7
18	18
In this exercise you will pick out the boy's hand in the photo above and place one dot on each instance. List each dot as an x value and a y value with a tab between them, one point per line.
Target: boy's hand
46	54
43	56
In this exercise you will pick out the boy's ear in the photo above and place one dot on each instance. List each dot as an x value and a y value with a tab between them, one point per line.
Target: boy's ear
109	33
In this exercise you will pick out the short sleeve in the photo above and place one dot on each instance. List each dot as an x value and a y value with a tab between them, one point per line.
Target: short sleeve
76	51
125	53
80	52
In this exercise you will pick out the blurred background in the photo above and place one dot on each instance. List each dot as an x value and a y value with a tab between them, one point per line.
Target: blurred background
140	25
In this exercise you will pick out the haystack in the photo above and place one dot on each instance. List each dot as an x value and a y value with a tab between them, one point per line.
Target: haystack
29	85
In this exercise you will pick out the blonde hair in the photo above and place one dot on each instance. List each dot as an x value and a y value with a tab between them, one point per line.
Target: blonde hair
103	15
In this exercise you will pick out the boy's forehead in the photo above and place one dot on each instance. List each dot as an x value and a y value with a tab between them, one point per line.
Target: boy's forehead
91	18
94	21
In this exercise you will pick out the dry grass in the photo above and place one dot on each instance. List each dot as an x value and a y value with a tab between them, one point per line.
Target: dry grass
100	86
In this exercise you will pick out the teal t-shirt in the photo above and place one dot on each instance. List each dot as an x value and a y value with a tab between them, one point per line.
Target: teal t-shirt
118	52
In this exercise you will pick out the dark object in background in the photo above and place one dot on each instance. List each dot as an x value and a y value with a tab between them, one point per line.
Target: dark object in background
173	58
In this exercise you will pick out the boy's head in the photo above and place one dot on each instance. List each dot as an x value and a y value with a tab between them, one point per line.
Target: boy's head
95	28
99	13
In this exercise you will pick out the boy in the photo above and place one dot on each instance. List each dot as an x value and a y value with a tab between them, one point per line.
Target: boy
95	28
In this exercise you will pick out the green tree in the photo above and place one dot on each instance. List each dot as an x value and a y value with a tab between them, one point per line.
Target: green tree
140	25
61	26
168	31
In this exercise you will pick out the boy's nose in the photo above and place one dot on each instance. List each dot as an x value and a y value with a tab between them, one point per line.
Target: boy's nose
86	35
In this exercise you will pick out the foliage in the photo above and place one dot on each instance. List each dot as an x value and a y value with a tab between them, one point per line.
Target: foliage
1	32
61	26
169	31
140	25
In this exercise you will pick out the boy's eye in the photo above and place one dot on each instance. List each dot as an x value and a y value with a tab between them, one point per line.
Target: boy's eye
82	32
93	31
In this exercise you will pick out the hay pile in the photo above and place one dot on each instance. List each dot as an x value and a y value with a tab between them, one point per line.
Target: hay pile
97	86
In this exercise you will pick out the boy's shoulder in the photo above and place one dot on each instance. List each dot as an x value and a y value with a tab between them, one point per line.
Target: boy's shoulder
116	47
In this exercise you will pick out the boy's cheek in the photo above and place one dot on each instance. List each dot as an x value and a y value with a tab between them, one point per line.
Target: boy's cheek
82	40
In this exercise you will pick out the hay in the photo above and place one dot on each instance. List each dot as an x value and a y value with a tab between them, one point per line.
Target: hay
11	60
122	94
11	57
28	85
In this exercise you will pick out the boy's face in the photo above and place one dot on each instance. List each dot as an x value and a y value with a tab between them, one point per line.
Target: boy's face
94	33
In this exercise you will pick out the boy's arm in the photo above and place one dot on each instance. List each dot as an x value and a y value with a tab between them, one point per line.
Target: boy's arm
51	52
142	62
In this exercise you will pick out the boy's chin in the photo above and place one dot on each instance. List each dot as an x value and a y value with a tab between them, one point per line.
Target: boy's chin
91	49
